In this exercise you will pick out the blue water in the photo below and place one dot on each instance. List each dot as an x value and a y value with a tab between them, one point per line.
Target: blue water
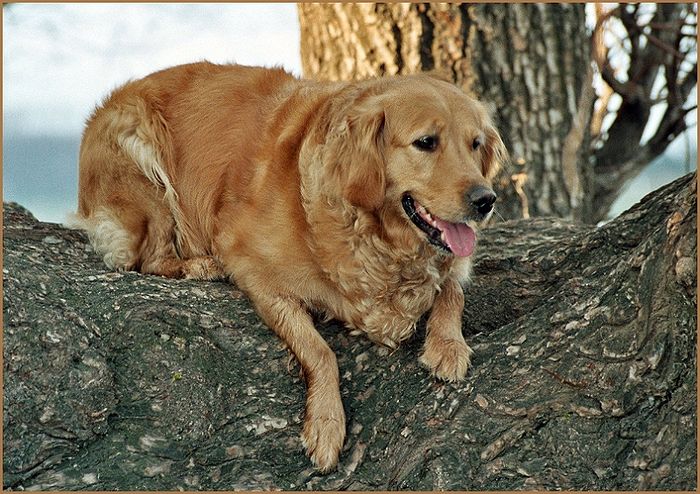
664	169
41	173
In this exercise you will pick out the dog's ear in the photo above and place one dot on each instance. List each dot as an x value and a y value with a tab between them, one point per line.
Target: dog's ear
495	154
358	154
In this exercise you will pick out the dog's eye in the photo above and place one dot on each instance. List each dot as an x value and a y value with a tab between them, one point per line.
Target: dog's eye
476	143
427	143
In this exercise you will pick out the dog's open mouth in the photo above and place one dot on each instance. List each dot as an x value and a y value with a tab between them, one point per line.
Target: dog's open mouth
456	238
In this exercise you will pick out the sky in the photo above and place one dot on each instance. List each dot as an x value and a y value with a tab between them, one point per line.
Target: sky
60	60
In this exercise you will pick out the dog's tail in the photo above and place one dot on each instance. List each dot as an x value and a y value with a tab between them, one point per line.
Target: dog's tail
107	236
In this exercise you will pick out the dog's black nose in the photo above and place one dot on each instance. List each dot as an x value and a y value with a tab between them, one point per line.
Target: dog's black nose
482	199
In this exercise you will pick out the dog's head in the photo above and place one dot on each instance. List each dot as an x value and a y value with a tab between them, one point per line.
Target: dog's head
420	150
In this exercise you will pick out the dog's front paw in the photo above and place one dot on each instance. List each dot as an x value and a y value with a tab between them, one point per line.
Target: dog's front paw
323	435
447	359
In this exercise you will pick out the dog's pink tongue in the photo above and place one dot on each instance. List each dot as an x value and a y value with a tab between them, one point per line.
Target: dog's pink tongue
458	236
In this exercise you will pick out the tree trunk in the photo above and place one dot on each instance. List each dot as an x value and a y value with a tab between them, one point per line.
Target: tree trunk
529	61
583	377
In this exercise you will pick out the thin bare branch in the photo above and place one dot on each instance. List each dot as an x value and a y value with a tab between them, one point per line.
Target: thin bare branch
688	83
667	26
600	52
629	21
602	110
665	46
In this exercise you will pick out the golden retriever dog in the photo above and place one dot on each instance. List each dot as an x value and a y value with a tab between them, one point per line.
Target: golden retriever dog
358	201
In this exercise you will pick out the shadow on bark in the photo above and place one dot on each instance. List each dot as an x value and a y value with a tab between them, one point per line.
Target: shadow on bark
584	374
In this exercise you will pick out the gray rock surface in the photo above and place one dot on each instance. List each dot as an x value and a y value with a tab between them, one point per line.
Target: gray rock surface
584	374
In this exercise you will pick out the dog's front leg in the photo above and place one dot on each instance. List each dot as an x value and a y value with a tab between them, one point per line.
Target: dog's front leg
324	421
445	352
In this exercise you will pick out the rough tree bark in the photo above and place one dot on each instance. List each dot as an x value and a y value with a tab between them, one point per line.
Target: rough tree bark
533	62
584	374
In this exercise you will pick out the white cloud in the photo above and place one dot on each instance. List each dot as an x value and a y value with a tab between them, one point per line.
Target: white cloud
60	60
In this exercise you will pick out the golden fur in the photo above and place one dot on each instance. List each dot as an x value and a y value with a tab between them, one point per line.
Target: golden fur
293	189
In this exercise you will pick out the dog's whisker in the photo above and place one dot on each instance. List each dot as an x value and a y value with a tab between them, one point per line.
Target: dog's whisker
495	211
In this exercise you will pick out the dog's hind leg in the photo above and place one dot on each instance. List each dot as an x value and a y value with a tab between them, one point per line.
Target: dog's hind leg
127	203
137	242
